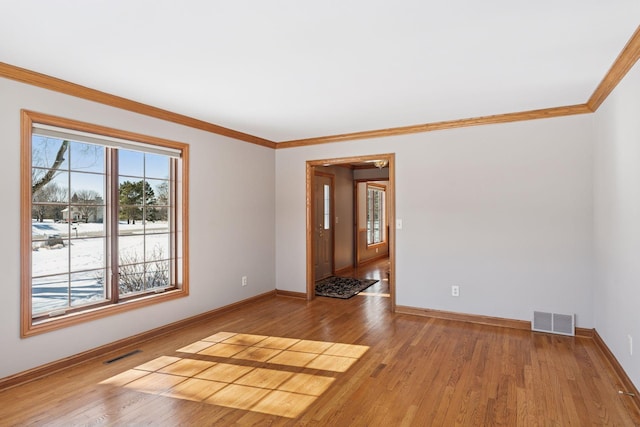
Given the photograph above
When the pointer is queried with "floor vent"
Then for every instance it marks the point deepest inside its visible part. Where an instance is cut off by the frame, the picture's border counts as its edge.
(554, 323)
(122, 356)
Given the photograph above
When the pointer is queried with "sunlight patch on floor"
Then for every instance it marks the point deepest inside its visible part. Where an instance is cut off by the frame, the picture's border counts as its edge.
(266, 389)
(374, 294)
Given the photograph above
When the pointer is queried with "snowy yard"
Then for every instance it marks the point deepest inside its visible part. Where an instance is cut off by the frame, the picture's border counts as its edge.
(82, 253)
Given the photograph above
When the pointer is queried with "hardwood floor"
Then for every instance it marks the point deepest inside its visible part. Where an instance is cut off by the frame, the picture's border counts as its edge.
(378, 270)
(284, 361)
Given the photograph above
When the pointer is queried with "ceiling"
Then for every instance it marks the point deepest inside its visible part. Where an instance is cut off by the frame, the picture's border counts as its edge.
(286, 70)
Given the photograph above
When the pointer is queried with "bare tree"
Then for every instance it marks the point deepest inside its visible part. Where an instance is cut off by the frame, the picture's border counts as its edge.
(47, 202)
(38, 182)
(85, 157)
(137, 274)
(163, 193)
(86, 202)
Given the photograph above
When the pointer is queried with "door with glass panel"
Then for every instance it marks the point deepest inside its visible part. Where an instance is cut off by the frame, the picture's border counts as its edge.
(323, 225)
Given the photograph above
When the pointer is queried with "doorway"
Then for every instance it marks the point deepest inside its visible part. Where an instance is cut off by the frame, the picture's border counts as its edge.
(315, 208)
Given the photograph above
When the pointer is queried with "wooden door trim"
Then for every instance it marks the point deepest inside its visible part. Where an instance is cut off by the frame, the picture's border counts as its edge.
(310, 170)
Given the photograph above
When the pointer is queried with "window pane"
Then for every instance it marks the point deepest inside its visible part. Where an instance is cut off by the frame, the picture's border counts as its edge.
(131, 249)
(157, 247)
(49, 293)
(54, 190)
(158, 220)
(132, 192)
(148, 195)
(50, 256)
(87, 188)
(88, 287)
(87, 254)
(86, 157)
(157, 274)
(47, 220)
(130, 217)
(131, 279)
(128, 227)
(86, 214)
(130, 163)
(159, 188)
(83, 230)
(327, 207)
(156, 166)
(45, 151)
(134, 195)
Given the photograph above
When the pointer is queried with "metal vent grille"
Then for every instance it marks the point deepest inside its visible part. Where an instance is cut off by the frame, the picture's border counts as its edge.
(563, 324)
(115, 359)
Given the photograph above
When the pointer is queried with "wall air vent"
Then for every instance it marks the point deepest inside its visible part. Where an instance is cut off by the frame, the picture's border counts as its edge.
(563, 324)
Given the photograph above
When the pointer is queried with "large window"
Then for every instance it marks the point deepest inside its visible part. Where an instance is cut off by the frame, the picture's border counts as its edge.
(375, 214)
(103, 221)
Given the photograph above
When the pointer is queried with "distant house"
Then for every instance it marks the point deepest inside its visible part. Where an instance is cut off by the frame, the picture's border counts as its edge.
(82, 210)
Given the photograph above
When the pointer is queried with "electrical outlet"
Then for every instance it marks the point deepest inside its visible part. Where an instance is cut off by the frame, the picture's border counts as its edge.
(630, 345)
(244, 280)
(455, 291)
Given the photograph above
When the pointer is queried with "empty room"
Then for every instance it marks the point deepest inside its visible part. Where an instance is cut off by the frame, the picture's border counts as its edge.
(331, 213)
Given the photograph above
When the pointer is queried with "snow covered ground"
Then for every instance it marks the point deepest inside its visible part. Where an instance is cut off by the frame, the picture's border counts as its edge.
(82, 252)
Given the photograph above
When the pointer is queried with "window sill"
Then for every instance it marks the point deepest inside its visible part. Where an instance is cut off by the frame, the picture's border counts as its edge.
(93, 313)
(377, 245)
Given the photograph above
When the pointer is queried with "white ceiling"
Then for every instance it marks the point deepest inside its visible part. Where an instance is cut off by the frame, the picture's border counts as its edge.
(292, 69)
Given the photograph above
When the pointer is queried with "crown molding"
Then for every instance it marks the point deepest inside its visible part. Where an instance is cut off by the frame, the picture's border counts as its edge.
(621, 66)
(449, 124)
(33, 78)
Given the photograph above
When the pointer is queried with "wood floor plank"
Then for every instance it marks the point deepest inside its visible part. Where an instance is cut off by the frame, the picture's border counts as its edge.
(349, 362)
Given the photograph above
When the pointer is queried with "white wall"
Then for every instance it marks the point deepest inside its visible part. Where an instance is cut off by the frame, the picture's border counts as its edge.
(503, 211)
(617, 222)
(231, 222)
